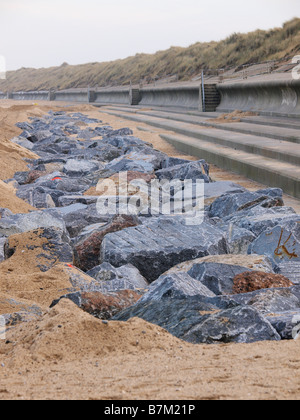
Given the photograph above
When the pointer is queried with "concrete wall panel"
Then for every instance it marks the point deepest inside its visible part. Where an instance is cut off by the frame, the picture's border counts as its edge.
(270, 98)
(183, 97)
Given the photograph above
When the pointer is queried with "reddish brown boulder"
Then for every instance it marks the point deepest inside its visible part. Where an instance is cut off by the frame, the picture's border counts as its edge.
(34, 175)
(256, 280)
(103, 306)
(87, 252)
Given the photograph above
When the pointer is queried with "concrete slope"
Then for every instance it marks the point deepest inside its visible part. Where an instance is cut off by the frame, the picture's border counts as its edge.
(263, 159)
(291, 134)
(264, 170)
(275, 149)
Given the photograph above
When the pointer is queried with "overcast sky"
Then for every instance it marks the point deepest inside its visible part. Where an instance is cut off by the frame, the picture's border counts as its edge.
(44, 33)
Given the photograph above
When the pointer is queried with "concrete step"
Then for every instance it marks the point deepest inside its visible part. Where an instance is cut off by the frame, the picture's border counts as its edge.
(212, 97)
(270, 162)
(269, 148)
(262, 130)
(266, 171)
(286, 122)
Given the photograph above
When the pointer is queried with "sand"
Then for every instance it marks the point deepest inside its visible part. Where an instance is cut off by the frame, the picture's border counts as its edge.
(232, 117)
(68, 354)
(9, 200)
(21, 277)
(13, 155)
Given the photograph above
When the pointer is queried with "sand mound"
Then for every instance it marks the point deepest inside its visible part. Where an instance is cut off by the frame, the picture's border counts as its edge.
(9, 305)
(9, 200)
(13, 155)
(66, 333)
(21, 276)
(233, 117)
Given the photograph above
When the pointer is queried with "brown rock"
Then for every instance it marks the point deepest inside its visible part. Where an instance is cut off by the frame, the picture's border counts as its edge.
(87, 252)
(106, 306)
(102, 306)
(256, 280)
(34, 175)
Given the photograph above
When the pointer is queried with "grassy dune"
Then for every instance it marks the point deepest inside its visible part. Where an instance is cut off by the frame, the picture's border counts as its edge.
(238, 49)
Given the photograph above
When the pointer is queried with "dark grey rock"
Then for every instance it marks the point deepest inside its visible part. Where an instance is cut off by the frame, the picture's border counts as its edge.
(239, 239)
(198, 319)
(21, 223)
(160, 244)
(78, 168)
(87, 232)
(228, 204)
(135, 161)
(5, 213)
(191, 170)
(125, 142)
(172, 161)
(239, 325)
(40, 135)
(290, 269)
(78, 216)
(24, 126)
(280, 243)
(175, 285)
(68, 200)
(39, 197)
(24, 313)
(287, 324)
(120, 132)
(2, 254)
(216, 277)
(268, 301)
(126, 276)
(102, 305)
(259, 219)
(23, 142)
(70, 185)
(98, 151)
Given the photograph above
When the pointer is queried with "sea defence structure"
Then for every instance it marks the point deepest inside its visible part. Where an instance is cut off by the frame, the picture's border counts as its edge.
(191, 97)
(269, 97)
(275, 97)
(263, 146)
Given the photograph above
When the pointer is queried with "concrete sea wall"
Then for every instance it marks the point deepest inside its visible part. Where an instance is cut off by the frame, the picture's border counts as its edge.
(276, 97)
(183, 97)
(270, 98)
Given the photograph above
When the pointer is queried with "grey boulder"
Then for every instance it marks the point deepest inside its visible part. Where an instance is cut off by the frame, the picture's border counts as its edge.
(77, 168)
(280, 243)
(191, 171)
(289, 269)
(110, 278)
(175, 285)
(259, 219)
(21, 223)
(216, 277)
(161, 243)
(199, 319)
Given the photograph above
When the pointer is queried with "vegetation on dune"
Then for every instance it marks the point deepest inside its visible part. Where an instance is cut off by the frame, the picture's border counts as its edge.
(236, 50)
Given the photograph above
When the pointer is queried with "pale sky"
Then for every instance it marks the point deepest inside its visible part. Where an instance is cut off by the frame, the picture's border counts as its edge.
(44, 33)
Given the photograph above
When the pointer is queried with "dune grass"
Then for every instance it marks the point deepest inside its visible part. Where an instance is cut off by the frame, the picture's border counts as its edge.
(238, 49)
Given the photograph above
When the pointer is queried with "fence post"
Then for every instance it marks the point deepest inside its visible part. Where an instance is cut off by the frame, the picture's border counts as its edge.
(203, 91)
